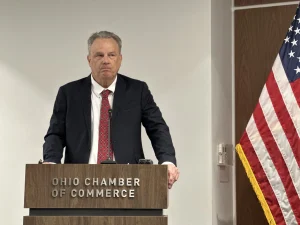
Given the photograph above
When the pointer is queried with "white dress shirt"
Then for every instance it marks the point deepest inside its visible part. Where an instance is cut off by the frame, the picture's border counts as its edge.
(95, 114)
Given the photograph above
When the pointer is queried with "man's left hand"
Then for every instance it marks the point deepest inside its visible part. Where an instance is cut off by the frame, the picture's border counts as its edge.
(173, 175)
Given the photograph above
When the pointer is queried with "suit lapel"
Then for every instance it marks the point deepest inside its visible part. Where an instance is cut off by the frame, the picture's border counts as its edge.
(86, 104)
(119, 100)
(119, 96)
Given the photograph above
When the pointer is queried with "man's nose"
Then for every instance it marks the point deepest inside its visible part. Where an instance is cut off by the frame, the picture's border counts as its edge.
(105, 59)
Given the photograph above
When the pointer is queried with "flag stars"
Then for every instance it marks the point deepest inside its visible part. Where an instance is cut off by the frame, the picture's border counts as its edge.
(287, 39)
(297, 69)
(298, 20)
(298, 58)
(291, 54)
(291, 28)
(297, 31)
(294, 42)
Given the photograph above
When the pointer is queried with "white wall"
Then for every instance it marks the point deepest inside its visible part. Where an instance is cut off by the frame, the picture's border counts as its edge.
(222, 110)
(166, 43)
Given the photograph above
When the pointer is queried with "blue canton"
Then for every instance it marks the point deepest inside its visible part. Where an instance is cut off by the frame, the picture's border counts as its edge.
(290, 51)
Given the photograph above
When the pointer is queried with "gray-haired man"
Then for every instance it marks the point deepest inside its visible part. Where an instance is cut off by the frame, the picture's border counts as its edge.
(80, 119)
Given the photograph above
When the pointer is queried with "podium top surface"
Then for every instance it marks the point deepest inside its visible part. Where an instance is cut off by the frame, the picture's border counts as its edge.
(107, 186)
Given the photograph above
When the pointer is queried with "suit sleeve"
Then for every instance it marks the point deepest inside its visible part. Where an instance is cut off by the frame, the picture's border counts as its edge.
(156, 128)
(55, 137)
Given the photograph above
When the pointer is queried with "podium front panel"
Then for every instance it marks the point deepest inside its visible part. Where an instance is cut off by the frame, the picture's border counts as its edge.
(108, 186)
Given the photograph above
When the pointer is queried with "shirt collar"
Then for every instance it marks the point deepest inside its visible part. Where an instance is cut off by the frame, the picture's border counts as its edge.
(97, 88)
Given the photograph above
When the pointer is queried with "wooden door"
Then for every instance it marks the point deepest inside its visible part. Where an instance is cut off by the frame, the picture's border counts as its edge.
(259, 34)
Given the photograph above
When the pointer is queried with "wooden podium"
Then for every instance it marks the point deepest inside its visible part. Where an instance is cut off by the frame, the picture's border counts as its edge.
(105, 194)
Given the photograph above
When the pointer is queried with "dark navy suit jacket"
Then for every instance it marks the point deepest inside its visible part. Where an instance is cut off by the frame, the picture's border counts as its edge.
(133, 105)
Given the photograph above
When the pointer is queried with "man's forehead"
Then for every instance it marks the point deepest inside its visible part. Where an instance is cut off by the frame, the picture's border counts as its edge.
(97, 51)
(100, 45)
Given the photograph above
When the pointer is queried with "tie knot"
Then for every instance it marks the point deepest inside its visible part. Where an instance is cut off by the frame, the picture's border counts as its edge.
(105, 93)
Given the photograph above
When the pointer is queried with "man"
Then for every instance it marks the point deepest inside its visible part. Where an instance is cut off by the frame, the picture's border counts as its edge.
(83, 108)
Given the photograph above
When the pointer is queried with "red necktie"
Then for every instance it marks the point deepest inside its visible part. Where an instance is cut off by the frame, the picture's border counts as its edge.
(103, 144)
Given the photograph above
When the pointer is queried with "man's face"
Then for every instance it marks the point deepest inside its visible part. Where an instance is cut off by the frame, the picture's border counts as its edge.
(104, 59)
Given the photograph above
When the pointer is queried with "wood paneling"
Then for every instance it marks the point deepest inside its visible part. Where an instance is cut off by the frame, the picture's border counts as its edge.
(256, 2)
(259, 34)
(77, 220)
(152, 192)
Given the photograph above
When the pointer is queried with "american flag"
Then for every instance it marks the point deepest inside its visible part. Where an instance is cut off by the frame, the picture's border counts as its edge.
(270, 146)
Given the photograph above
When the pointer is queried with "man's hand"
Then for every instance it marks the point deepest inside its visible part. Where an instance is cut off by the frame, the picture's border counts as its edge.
(173, 175)
(49, 163)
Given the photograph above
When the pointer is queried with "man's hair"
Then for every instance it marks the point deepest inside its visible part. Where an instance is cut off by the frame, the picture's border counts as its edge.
(104, 34)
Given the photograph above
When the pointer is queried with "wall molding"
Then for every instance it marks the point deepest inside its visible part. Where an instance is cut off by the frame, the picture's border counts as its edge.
(265, 5)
